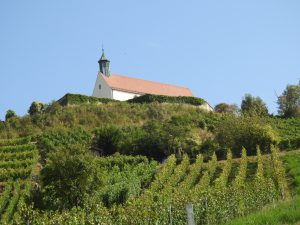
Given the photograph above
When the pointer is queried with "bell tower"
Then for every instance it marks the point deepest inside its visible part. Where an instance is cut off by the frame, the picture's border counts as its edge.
(104, 64)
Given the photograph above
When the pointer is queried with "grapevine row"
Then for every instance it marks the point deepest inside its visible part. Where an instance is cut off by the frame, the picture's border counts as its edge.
(164, 174)
(279, 174)
(20, 173)
(222, 180)
(16, 141)
(17, 148)
(194, 174)
(5, 196)
(179, 173)
(16, 163)
(6, 217)
(18, 156)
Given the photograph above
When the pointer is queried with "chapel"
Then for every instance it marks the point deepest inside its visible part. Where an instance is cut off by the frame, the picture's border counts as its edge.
(122, 88)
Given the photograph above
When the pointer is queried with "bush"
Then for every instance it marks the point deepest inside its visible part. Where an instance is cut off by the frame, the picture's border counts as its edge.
(10, 114)
(226, 108)
(35, 108)
(53, 107)
(130, 140)
(108, 139)
(236, 133)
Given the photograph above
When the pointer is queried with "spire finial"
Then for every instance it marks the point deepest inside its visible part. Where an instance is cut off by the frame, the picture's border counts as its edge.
(102, 48)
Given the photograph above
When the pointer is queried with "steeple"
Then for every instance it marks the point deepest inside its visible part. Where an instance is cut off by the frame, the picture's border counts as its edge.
(104, 64)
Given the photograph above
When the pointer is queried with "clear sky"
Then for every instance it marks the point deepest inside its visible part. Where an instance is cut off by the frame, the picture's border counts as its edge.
(221, 50)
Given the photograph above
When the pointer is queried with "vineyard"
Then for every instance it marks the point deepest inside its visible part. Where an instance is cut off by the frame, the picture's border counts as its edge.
(217, 190)
(216, 193)
(18, 159)
(135, 190)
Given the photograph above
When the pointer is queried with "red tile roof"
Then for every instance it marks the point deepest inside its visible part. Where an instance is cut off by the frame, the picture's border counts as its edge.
(140, 86)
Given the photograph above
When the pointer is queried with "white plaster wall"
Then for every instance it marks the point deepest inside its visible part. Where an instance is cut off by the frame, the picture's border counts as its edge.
(206, 107)
(105, 91)
(123, 96)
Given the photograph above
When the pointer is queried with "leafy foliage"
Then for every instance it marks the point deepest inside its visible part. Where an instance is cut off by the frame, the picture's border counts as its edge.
(289, 101)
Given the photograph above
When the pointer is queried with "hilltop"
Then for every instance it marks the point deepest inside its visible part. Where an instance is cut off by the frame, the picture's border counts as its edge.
(84, 160)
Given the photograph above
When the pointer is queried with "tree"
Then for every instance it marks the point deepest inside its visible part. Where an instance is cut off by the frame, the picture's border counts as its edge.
(36, 107)
(68, 177)
(253, 106)
(226, 108)
(10, 114)
(289, 101)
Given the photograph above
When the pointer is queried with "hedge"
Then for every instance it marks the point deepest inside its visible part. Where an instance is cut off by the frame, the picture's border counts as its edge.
(77, 99)
(148, 98)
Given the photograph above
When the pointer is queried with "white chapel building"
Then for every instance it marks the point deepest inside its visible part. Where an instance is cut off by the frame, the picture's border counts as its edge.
(123, 88)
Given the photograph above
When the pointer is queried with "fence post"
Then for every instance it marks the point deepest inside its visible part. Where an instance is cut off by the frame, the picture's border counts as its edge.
(190, 214)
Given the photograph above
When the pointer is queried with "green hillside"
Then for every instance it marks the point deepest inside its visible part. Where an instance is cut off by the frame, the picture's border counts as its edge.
(143, 162)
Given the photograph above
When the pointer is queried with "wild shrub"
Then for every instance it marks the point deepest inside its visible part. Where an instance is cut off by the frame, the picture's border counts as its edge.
(236, 133)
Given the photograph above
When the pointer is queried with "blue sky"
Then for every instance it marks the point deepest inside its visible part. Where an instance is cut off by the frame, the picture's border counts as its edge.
(221, 50)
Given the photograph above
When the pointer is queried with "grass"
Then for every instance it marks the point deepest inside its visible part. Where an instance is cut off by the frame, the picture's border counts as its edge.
(283, 212)
(293, 170)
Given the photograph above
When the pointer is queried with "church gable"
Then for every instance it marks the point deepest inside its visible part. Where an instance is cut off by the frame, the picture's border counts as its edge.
(102, 89)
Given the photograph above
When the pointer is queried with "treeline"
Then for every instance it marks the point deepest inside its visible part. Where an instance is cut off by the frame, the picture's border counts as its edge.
(288, 104)
(178, 135)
